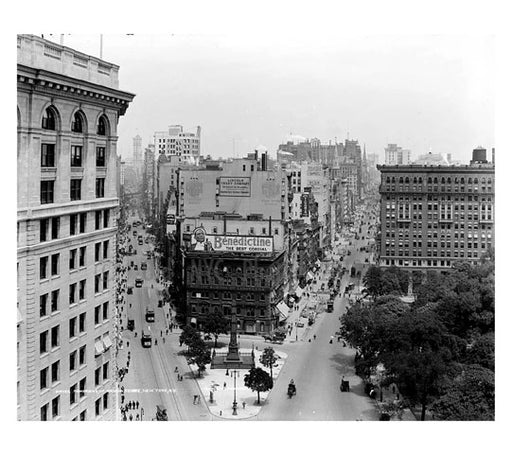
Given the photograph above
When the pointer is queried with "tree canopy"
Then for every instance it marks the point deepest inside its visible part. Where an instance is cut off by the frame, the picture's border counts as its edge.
(258, 380)
(215, 324)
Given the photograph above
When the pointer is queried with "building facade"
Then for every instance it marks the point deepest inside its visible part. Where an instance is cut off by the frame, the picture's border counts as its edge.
(176, 141)
(234, 237)
(69, 104)
(395, 155)
(433, 216)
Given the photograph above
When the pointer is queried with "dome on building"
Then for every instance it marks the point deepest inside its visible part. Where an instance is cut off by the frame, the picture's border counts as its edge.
(432, 159)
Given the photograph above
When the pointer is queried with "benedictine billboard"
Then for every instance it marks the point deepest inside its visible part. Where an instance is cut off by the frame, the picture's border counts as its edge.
(241, 243)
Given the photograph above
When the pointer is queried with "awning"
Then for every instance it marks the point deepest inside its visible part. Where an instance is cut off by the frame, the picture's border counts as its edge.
(20, 317)
(283, 310)
(98, 347)
(107, 342)
(193, 320)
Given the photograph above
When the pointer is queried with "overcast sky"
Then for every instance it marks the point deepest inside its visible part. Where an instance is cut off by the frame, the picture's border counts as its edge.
(421, 92)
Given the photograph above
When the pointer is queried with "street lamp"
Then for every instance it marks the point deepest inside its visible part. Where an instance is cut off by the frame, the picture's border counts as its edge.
(141, 413)
(234, 375)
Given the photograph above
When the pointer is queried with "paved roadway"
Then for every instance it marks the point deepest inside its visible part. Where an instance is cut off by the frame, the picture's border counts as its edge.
(151, 370)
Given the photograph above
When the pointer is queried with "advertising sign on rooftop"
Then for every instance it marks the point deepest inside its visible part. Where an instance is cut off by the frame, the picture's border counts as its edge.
(235, 186)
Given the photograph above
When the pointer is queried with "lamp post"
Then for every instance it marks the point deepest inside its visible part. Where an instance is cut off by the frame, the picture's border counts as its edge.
(234, 375)
(141, 413)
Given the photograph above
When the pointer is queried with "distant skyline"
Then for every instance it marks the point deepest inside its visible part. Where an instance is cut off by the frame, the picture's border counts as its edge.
(421, 92)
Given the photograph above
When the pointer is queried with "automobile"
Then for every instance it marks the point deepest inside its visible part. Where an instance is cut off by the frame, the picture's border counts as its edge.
(143, 266)
(161, 413)
(366, 260)
(138, 282)
(131, 324)
(300, 324)
(147, 240)
(135, 267)
(129, 290)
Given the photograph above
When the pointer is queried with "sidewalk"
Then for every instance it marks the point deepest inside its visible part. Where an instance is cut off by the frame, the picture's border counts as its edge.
(218, 390)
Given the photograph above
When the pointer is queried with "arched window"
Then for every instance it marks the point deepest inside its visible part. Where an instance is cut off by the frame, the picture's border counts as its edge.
(456, 180)
(388, 179)
(443, 181)
(414, 180)
(101, 129)
(470, 180)
(462, 180)
(420, 180)
(393, 180)
(429, 181)
(400, 180)
(49, 119)
(78, 123)
(406, 179)
(435, 180)
(489, 181)
(449, 180)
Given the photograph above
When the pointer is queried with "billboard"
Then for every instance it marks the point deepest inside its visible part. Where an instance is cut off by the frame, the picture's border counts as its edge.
(235, 186)
(233, 243)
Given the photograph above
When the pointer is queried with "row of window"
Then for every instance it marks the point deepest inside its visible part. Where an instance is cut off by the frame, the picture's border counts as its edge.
(442, 180)
(252, 230)
(247, 311)
(227, 296)
(50, 118)
(47, 193)
(49, 228)
(48, 156)
(100, 405)
(49, 266)
(227, 281)
(455, 254)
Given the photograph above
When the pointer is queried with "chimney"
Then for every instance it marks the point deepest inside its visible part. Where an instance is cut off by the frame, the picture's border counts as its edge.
(264, 161)
(198, 133)
(493, 155)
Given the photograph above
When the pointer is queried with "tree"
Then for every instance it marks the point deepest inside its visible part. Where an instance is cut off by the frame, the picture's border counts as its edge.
(373, 281)
(189, 335)
(198, 354)
(258, 380)
(470, 396)
(482, 352)
(268, 359)
(215, 324)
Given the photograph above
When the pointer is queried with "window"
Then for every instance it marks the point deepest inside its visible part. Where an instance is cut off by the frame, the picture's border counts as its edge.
(100, 156)
(72, 361)
(47, 191)
(76, 156)
(55, 337)
(44, 412)
(77, 123)
(43, 267)
(83, 415)
(47, 155)
(106, 217)
(81, 290)
(97, 407)
(100, 187)
(97, 376)
(73, 221)
(97, 281)
(81, 257)
(97, 313)
(105, 249)
(81, 355)
(97, 219)
(72, 328)
(76, 189)
(55, 371)
(72, 259)
(83, 221)
(105, 311)
(43, 305)
(81, 387)
(55, 264)
(105, 400)
(48, 122)
(43, 229)
(105, 371)
(81, 323)
(72, 394)
(43, 342)
(55, 227)
(105, 280)
(97, 252)
(43, 379)
(101, 129)
(55, 300)
(72, 294)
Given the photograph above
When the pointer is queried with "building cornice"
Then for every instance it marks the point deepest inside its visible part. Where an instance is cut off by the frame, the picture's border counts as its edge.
(53, 84)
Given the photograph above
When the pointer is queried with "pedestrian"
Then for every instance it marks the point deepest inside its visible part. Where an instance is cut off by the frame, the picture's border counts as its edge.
(137, 404)
(199, 399)
(160, 333)
(225, 386)
(314, 337)
(131, 417)
(176, 369)
(195, 399)
(167, 331)
(156, 342)
(127, 344)
(163, 340)
(137, 417)
(243, 404)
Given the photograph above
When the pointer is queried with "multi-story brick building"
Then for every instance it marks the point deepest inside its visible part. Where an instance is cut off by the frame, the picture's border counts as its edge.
(177, 142)
(233, 231)
(433, 216)
(69, 104)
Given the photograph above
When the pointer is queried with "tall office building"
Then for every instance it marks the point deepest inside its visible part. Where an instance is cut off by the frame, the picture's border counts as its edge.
(434, 215)
(396, 155)
(69, 104)
(175, 141)
(138, 159)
